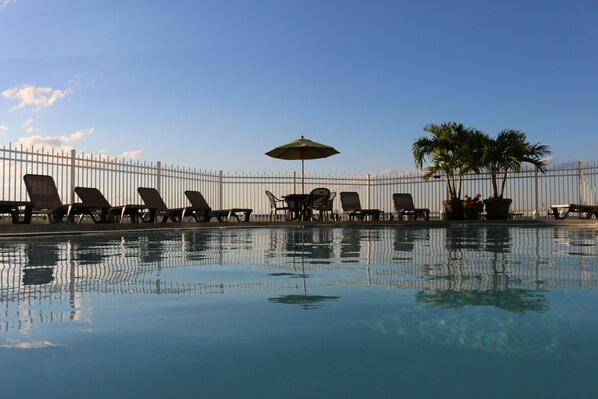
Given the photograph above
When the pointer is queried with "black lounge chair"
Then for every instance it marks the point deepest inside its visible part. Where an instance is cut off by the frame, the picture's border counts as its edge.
(203, 212)
(277, 204)
(93, 197)
(155, 204)
(404, 206)
(46, 200)
(352, 207)
(585, 211)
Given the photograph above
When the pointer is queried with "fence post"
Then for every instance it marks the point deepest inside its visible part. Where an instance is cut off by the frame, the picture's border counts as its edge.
(581, 190)
(159, 176)
(537, 199)
(369, 196)
(73, 172)
(221, 190)
(294, 182)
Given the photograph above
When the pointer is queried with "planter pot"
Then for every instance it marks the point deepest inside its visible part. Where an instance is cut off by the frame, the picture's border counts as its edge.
(453, 209)
(497, 208)
(472, 214)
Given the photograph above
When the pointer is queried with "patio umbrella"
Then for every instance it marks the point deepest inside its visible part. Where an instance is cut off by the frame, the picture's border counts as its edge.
(302, 149)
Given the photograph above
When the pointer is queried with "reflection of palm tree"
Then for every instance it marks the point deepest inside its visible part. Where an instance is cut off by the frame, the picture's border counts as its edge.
(498, 239)
(500, 295)
(517, 300)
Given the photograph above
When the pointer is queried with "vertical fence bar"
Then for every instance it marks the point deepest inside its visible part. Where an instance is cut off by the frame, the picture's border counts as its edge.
(580, 179)
(220, 189)
(73, 173)
(159, 176)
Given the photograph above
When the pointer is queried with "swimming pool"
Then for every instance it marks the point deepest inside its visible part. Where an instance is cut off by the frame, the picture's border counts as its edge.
(458, 311)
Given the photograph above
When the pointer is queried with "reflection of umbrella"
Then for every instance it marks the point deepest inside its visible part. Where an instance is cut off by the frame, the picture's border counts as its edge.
(302, 149)
(305, 300)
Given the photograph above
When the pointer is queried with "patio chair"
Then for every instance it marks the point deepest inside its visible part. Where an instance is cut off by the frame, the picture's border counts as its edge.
(203, 212)
(46, 200)
(352, 207)
(154, 202)
(403, 203)
(94, 197)
(318, 201)
(277, 204)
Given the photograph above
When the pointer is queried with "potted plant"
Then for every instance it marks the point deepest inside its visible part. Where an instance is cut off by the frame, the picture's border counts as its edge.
(507, 152)
(452, 151)
(473, 207)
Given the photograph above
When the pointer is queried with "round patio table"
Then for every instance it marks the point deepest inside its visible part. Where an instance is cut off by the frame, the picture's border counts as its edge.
(298, 206)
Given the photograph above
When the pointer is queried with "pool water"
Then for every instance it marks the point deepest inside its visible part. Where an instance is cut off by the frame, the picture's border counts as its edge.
(456, 311)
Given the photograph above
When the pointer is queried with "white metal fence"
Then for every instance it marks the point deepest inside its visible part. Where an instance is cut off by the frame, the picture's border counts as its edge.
(118, 180)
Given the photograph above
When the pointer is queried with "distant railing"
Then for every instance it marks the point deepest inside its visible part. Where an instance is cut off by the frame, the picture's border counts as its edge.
(119, 178)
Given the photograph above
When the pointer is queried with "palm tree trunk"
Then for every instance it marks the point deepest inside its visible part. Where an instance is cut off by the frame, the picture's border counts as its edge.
(494, 186)
(504, 183)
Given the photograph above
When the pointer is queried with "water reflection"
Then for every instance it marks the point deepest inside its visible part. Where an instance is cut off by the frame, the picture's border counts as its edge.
(38, 275)
(509, 268)
(305, 301)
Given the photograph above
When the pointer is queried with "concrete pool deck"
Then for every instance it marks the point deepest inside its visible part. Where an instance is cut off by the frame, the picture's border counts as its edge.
(8, 230)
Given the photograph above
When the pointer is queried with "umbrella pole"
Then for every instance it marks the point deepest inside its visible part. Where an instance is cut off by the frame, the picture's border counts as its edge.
(302, 176)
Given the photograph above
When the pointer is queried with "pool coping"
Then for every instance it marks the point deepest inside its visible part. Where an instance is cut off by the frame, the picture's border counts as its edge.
(15, 230)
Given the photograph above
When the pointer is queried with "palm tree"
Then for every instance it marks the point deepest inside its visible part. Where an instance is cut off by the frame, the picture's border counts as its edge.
(453, 151)
(508, 151)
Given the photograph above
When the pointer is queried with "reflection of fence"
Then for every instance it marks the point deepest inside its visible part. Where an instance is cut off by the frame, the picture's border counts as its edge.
(118, 179)
(454, 258)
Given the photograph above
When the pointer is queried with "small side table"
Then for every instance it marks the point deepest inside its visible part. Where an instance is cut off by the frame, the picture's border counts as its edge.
(20, 211)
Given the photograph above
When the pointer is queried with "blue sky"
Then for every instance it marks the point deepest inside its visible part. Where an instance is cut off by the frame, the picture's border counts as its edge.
(216, 84)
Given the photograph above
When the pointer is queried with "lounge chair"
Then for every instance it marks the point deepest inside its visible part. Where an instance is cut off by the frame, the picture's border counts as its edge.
(277, 204)
(318, 201)
(93, 197)
(203, 212)
(352, 207)
(46, 200)
(403, 204)
(154, 202)
(585, 211)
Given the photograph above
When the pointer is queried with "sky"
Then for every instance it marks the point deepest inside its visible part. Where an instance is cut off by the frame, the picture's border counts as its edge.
(213, 85)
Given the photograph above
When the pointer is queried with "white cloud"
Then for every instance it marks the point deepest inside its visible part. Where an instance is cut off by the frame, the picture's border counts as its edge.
(36, 97)
(56, 142)
(5, 3)
(3, 128)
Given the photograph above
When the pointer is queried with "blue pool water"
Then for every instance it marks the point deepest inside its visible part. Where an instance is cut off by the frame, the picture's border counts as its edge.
(402, 311)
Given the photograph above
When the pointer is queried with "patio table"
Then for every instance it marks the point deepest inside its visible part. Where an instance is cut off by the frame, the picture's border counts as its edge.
(298, 206)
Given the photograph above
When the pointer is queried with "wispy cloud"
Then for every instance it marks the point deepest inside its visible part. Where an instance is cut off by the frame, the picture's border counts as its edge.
(35, 97)
(5, 3)
(56, 142)
(133, 154)
(3, 128)
(28, 126)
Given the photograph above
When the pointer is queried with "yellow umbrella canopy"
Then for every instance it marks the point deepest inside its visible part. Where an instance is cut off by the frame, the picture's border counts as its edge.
(302, 149)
